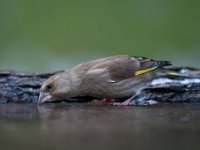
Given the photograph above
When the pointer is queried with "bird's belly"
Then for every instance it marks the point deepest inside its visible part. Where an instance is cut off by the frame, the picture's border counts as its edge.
(120, 89)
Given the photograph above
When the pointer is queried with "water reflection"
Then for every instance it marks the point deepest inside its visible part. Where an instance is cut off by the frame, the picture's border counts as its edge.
(81, 126)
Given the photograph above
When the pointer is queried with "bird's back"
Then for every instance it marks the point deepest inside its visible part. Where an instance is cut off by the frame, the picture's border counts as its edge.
(117, 76)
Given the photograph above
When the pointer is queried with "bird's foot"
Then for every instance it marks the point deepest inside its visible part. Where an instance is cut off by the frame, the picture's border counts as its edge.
(105, 101)
(128, 102)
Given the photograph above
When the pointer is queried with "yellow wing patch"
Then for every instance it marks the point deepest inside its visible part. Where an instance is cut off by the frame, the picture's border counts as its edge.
(139, 72)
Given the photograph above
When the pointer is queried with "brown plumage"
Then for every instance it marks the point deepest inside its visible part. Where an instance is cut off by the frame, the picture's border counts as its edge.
(111, 77)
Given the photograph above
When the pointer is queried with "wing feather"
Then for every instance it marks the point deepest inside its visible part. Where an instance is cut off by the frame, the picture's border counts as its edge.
(123, 67)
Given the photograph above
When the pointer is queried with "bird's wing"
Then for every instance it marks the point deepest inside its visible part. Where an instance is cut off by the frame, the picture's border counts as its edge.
(124, 67)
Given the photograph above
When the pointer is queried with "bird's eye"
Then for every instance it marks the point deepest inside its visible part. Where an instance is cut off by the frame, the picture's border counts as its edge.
(49, 87)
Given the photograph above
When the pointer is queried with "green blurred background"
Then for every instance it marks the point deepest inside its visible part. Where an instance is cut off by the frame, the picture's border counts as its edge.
(49, 35)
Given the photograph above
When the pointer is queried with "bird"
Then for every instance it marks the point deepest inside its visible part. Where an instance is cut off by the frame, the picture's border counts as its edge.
(113, 77)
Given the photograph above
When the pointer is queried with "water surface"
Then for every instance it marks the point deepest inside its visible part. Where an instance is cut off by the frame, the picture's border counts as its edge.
(82, 126)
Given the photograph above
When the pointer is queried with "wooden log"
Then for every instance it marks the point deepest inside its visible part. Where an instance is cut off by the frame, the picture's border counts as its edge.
(20, 87)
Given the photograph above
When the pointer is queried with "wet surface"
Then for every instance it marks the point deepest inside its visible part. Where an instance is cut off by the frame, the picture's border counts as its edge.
(82, 126)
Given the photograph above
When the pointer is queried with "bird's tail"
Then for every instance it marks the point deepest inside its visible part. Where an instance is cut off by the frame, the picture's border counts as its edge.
(163, 63)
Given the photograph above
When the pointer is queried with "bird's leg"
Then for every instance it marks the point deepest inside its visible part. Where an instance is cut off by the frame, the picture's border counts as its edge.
(128, 102)
(104, 101)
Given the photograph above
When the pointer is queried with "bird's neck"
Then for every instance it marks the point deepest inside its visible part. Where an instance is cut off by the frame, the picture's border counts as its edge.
(75, 80)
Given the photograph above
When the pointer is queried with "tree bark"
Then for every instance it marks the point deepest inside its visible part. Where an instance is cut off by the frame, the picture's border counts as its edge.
(20, 87)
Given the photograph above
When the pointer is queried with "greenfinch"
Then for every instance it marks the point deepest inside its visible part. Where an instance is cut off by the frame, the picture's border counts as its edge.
(120, 76)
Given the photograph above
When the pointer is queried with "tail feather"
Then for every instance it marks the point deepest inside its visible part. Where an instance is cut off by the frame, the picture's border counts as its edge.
(163, 63)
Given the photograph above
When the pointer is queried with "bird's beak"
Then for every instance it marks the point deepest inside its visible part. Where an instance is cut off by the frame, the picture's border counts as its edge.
(44, 97)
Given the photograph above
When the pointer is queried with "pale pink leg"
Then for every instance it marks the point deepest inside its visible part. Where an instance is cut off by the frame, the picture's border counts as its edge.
(128, 102)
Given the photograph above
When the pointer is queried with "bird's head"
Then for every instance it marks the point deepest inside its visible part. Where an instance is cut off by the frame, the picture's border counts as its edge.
(56, 88)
